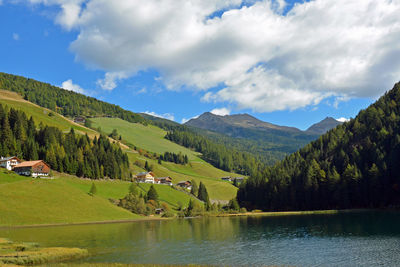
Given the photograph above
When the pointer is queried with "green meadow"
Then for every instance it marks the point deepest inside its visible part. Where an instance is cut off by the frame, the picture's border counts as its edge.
(150, 138)
(42, 201)
(65, 199)
(39, 114)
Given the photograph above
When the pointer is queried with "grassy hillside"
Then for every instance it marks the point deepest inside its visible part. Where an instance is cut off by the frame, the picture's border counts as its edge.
(119, 189)
(152, 139)
(41, 115)
(37, 201)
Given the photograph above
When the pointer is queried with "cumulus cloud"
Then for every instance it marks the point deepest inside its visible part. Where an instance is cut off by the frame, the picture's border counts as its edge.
(167, 116)
(110, 80)
(69, 85)
(221, 111)
(265, 60)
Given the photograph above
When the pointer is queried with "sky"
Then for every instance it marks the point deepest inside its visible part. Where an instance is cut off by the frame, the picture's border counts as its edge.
(286, 62)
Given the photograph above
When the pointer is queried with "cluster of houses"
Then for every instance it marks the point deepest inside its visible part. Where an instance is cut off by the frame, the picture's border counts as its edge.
(149, 177)
(238, 180)
(35, 168)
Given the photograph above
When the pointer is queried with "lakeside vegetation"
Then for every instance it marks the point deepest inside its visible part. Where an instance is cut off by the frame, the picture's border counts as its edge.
(12, 253)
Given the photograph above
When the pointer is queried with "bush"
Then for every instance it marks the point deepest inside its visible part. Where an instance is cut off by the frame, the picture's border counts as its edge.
(243, 210)
(168, 214)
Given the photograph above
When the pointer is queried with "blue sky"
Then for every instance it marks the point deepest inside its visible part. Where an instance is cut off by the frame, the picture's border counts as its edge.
(229, 56)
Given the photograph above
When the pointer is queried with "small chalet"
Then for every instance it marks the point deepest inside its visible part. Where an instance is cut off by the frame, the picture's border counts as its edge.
(9, 163)
(34, 168)
(145, 177)
(79, 119)
(228, 179)
(185, 184)
(163, 180)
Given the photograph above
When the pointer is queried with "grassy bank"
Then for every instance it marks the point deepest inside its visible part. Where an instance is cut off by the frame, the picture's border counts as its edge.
(31, 254)
(27, 201)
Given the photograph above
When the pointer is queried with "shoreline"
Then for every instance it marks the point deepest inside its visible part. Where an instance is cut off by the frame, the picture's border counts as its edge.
(83, 223)
(246, 214)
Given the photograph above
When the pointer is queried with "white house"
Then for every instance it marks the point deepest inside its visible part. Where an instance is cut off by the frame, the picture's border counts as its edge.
(9, 163)
(145, 177)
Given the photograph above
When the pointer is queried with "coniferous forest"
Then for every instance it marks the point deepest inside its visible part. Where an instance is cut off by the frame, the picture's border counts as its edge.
(70, 153)
(356, 165)
(65, 102)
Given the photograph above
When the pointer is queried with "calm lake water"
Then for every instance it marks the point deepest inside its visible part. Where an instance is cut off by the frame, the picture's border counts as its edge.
(351, 239)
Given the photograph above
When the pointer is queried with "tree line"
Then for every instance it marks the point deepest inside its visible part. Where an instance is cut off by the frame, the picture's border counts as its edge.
(65, 102)
(355, 165)
(173, 157)
(216, 154)
(70, 153)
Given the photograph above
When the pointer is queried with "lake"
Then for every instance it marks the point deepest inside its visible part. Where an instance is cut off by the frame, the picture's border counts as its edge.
(348, 239)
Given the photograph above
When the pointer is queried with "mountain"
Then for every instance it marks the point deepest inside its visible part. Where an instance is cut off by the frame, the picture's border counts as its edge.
(355, 165)
(323, 126)
(221, 124)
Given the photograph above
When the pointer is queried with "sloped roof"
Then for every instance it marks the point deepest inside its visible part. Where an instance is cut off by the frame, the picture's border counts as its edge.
(8, 158)
(30, 163)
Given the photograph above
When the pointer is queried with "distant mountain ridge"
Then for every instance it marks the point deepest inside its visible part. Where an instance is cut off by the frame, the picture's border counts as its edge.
(323, 126)
(229, 125)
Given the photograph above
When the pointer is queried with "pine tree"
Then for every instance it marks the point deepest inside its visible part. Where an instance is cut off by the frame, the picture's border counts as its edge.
(93, 190)
(203, 194)
(195, 189)
(152, 194)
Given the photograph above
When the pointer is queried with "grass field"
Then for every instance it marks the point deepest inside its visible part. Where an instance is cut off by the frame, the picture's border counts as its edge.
(39, 114)
(65, 199)
(118, 189)
(218, 190)
(150, 138)
(39, 201)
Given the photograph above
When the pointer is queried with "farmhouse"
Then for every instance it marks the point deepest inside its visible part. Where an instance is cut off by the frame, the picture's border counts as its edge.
(33, 168)
(145, 177)
(228, 178)
(9, 163)
(163, 180)
(185, 184)
(79, 119)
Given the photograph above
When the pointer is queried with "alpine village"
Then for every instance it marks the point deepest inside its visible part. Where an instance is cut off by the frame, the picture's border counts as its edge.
(88, 179)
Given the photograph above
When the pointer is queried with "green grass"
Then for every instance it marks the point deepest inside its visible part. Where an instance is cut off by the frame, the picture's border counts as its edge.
(10, 177)
(32, 254)
(39, 114)
(218, 190)
(168, 195)
(150, 138)
(118, 189)
(38, 201)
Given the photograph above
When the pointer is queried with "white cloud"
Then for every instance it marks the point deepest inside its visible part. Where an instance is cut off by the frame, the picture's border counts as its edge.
(15, 36)
(167, 116)
(69, 85)
(342, 119)
(221, 111)
(267, 61)
(110, 80)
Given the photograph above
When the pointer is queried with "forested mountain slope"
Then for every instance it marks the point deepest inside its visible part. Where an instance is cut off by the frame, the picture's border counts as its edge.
(355, 165)
(65, 102)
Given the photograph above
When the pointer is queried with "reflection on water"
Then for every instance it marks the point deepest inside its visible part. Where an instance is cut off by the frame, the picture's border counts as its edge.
(351, 239)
